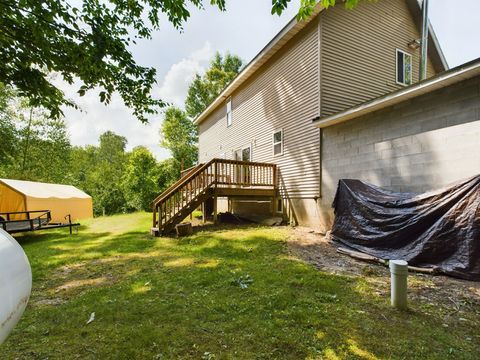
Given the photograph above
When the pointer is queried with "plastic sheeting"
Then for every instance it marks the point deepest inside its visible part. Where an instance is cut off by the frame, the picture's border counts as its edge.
(438, 229)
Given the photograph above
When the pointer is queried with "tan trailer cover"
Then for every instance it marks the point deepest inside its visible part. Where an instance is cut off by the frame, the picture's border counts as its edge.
(61, 200)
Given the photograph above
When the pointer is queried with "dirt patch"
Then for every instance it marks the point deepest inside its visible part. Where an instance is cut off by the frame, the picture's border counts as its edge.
(82, 283)
(49, 302)
(454, 295)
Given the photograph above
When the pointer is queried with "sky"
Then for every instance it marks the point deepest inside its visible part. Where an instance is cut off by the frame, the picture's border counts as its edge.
(244, 29)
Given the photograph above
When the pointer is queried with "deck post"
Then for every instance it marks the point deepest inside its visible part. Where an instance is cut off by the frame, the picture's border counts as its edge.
(274, 184)
(155, 216)
(215, 218)
(160, 216)
(204, 215)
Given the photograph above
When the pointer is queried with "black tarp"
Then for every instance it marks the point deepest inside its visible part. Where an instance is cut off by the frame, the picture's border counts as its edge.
(438, 229)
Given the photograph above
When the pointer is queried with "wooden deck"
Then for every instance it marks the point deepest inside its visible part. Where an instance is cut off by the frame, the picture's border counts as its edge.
(217, 178)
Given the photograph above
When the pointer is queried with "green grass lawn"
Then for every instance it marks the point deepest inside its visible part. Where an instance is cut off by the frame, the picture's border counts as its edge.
(232, 293)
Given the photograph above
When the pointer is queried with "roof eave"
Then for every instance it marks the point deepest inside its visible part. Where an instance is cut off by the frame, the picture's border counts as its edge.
(292, 28)
(455, 75)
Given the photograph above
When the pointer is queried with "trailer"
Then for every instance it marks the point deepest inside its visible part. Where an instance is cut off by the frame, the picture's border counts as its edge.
(35, 220)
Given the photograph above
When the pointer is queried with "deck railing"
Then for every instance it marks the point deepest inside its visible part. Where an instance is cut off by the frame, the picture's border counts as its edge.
(216, 173)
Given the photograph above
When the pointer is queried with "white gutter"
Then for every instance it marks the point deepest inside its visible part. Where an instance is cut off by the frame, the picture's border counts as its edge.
(442, 80)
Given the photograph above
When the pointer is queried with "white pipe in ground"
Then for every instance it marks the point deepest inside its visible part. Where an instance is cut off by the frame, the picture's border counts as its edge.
(15, 283)
(398, 286)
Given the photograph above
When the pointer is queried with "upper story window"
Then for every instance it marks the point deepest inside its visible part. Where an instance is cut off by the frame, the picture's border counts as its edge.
(229, 112)
(278, 142)
(404, 68)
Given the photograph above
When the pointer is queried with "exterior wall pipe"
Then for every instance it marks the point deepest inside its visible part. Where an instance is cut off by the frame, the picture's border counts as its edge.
(398, 285)
(424, 42)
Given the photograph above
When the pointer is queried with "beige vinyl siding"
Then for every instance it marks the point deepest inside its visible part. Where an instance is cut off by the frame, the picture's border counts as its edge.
(283, 94)
(358, 55)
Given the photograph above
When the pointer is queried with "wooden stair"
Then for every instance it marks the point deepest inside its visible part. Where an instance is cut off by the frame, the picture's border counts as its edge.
(198, 184)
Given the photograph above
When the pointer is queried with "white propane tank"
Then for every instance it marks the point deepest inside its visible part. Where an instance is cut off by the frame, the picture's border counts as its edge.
(15, 283)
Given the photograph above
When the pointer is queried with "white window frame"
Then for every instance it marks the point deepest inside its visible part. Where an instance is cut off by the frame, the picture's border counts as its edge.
(276, 143)
(229, 112)
(404, 53)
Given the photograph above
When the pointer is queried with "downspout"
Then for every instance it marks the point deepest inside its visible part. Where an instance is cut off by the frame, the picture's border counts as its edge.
(424, 42)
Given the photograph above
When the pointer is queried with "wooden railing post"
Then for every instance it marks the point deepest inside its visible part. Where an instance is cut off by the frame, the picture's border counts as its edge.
(274, 177)
(155, 216)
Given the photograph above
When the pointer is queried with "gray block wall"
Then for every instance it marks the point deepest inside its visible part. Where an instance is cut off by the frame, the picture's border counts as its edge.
(421, 144)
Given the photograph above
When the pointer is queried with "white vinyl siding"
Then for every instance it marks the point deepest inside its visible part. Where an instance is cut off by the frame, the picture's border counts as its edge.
(283, 94)
(358, 60)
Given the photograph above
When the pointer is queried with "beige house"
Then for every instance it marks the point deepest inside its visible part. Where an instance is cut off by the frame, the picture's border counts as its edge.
(310, 71)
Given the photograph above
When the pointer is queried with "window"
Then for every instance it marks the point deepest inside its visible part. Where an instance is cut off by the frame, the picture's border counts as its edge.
(229, 112)
(404, 68)
(247, 154)
(279, 206)
(278, 142)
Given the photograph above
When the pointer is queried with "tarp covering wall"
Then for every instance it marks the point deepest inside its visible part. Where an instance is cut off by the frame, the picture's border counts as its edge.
(438, 229)
(61, 200)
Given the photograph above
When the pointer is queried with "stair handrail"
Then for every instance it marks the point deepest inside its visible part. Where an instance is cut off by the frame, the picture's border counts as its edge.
(199, 168)
(181, 182)
(190, 172)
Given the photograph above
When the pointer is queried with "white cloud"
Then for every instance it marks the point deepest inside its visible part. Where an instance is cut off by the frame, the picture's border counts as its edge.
(175, 84)
(86, 125)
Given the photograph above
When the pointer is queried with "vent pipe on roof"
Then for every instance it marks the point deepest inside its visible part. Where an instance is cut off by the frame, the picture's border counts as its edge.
(424, 42)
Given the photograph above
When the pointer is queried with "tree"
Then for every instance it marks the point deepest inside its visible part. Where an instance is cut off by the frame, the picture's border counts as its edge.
(110, 162)
(307, 7)
(179, 135)
(36, 147)
(90, 43)
(43, 150)
(83, 162)
(7, 127)
(168, 173)
(204, 89)
(98, 170)
(140, 179)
